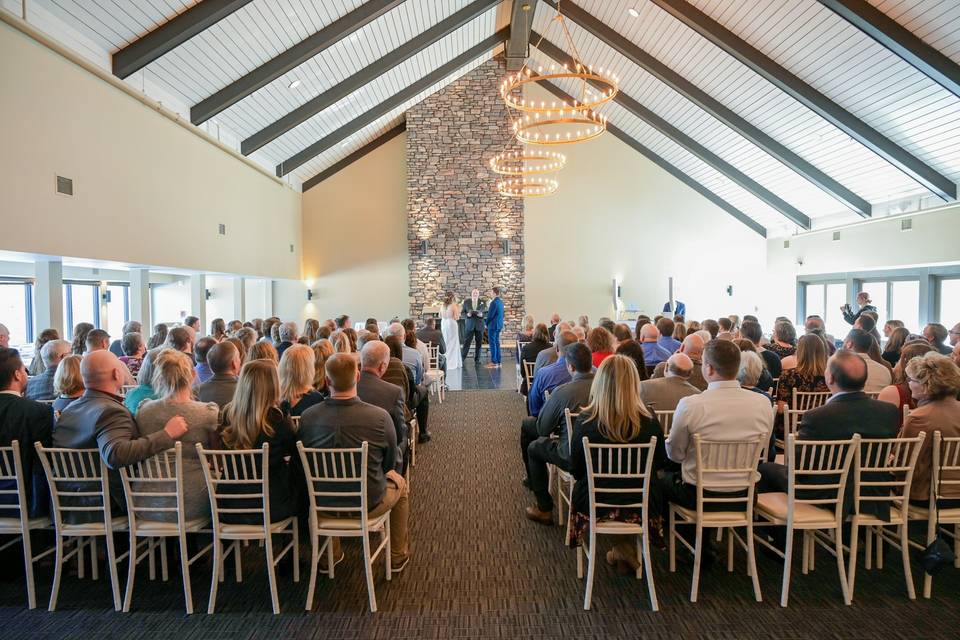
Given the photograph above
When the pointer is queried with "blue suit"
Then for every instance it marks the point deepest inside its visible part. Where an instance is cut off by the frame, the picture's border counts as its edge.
(494, 323)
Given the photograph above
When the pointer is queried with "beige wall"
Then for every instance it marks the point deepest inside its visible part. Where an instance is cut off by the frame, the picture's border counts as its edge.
(355, 240)
(136, 175)
(618, 214)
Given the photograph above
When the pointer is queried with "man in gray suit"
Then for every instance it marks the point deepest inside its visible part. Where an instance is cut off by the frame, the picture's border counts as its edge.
(41, 387)
(474, 311)
(98, 419)
(664, 393)
(224, 361)
(549, 356)
(374, 360)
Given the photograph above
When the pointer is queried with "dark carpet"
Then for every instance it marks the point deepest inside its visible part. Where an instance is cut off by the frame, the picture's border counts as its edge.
(480, 570)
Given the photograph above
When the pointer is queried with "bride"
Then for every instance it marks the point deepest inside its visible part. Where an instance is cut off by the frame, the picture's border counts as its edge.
(449, 316)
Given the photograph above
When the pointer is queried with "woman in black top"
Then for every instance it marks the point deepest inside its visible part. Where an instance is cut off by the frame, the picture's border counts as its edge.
(540, 341)
(891, 352)
(615, 415)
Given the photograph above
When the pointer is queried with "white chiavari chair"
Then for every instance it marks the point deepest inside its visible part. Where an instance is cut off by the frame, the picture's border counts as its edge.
(806, 400)
(565, 480)
(434, 373)
(666, 421)
(528, 373)
(520, 346)
(791, 425)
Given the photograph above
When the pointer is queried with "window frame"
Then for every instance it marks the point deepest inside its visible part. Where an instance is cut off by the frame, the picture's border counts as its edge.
(27, 303)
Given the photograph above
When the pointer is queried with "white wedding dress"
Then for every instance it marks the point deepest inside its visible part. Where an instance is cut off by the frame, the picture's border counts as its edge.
(451, 335)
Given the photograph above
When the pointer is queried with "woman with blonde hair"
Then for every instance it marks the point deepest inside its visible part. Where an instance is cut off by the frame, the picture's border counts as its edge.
(297, 371)
(615, 414)
(263, 350)
(173, 376)
(218, 329)
(601, 343)
(693, 326)
(67, 383)
(310, 328)
(340, 341)
(322, 349)
(807, 375)
(526, 331)
(254, 418)
(899, 393)
(679, 331)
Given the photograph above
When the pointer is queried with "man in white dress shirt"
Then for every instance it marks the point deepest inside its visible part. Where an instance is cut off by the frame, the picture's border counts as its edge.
(878, 375)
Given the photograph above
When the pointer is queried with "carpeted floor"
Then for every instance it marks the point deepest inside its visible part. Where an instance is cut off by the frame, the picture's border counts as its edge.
(480, 570)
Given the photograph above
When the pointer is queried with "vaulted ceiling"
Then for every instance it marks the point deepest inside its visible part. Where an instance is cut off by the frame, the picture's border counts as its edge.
(785, 112)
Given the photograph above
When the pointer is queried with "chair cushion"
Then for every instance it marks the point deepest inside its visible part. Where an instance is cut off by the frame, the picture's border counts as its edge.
(119, 523)
(349, 524)
(774, 505)
(923, 513)
(12, 525)
(253, 529)
(155, 527)
(711, 517)
(617, 527)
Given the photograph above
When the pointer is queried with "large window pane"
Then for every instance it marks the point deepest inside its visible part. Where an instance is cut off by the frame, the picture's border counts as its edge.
(905, 303)
(878, 295)
(949, 312)
(82, 305)
(13, 312)
(836, 298)
(117, 312)
(814, 294)
(169, 302)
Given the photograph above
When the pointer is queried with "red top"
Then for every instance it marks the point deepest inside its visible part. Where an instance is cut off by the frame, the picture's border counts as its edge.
(600, 356)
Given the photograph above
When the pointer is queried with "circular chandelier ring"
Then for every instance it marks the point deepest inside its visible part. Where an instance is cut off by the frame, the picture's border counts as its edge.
(527, 187)
(521, 104)
(526, 129)
(527, 162)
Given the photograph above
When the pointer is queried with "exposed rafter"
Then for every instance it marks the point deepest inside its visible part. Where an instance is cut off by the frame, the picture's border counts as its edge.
(289, 59)
(392, 102)
(900, 40)
(793, 214)
(171, 34)
(521, 21)
(632, 142)
(381, 140)
(826, 108)
(342, 89)
(714, 107)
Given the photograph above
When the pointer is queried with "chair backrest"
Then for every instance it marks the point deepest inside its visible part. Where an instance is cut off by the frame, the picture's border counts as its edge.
(872, 394)
(945, 472)
(521, 345)
(883, 470)
(295, 420)
(906, 414)
(434, 351)
(569, 419)
(817, 471)
(666, 420)
(79, 485)
(11, 475)
(729, 467)
(791, 420)
(238, 482)
(155, 485)
(617, 470)
(528, 372)
(336, 480)
(127, 388)
(776, 384)
(806, 400)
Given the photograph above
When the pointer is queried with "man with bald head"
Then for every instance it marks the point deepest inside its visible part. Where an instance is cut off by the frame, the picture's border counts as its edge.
(653, 352)
(4, 337)
(374, 360)
(551, 376)
(664, 392)
(98, 419)
(554, 323)
(692, 347)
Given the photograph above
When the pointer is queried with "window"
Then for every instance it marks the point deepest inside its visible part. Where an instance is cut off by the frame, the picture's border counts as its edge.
(825, 300)
(905, 303)
(81, 303)
(169, 302)
(118, 309)
(878, 298)
(16, 310)
(949, 311)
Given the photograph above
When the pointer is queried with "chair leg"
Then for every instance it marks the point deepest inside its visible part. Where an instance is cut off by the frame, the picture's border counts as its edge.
(388, 539)
(331, 562)
(868, 548)
(905, 554)
(217, 574)
(805, 560)
(368, 572)
(844, 586)
(94, 560)
(852, 571)
(879, 537)
(927, 578)
(57, 574)
(673, 540)
(81, 559)
(237, 561)
(787, 564)
(697, 552)
(151, 548)
(581, 552)
(752, 563)
(640, 558)
(131, 572)
(28, 570)
(295, 550)
(185, 573)
(112, 568)
(314, 562)
(271, 573)
(730, 550)
(164, 573)
(648, 568)
(591, 568)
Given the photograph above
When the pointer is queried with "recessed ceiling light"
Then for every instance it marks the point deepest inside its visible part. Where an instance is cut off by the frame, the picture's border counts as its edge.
(344, 144)
(294, 84)
(633, 12)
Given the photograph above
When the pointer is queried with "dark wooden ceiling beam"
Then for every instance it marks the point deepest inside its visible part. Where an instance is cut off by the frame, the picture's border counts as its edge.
(376, 143)
(171, 34)
(916, 169)
(521, 22)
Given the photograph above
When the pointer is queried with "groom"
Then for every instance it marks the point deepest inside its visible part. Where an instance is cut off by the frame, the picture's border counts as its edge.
(494, 327)
(474, 310)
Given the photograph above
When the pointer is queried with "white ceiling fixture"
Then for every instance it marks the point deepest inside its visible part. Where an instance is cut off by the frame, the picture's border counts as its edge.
(633, 12)
(294, 84)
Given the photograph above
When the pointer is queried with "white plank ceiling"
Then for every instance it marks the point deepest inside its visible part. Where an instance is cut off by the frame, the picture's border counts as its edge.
(809, 40)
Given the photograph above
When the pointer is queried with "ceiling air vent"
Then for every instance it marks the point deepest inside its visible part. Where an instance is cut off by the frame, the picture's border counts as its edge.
(291, 248)
(836, 236)
(222, 229)
(786, 244)
(906, 224)
(64, 186)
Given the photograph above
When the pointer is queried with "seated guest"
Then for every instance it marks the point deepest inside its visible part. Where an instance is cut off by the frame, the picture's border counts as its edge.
(98, 420)
(342, 322)
(37, 365)
(374, 360)
(322, 349)
(890, 326)
(765, 381)
(134, 350)
(224, 361)
(583, 322)
(549, 356)
(288, 335)
(218, 329)
(397, 373)
(297, 370)
(428, 335)
(341, 342)
(622, 333)
(936, 334)
(712, 327)
(653, 352)
(411, 340)
(551, 376)
(537, 446)
(158, 337)
(934, 382)
(554, 323)
(200, 350)
(898, 393)
(692, 326)
(79, 341)
(751, 368)
(116, 347)
(726, 325)
(956, 354)
(67, 383)
(345, 421)
(868, 323)
(895, 341)
(173, 376)
(144, 389)
(27, 422)
(41, 387)
(539, 342)
(663, 394)
(99, 340)
(641, 320)
(263, 350)
(411, 357)
(784, 341)
(310, 331)
(634, 350)
(692, 347)
(238, 344)
(253, 418)
(679, 331)
(724, 412)
(807, 375)
(814, 325)
(601, 343)
(193, 322)
(751, 331)
(526, 329)
(954, 334)
(248, 338)
(878, 375)
(181, 339)
(351, 334)
(614, 415)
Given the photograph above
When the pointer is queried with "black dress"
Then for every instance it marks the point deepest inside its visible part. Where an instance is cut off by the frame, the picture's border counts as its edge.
(529, 354)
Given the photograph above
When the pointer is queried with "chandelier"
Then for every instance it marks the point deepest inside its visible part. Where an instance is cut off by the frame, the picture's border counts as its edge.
(528, 186)
(527, 162)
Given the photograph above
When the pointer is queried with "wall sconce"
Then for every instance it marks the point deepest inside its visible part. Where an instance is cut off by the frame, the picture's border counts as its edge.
(207, 294)
(424, 245)
(505, 244)
(105, 296)
(309, 294)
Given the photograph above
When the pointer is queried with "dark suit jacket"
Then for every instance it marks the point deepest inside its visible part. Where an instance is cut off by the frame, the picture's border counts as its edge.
(473, 323)
(388, 397)
(218, 389)
(571, 395)
(841, 418)
(434, 336)
(27, 422)
(283, 346)
(396, 374)
(529, 353)
(41, 387)
(116, 348)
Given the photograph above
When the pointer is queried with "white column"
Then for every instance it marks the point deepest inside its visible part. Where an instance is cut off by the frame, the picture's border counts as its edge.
(268, 299)
(48, 310)
(140, 299)
(198, 300)
(239, 300)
